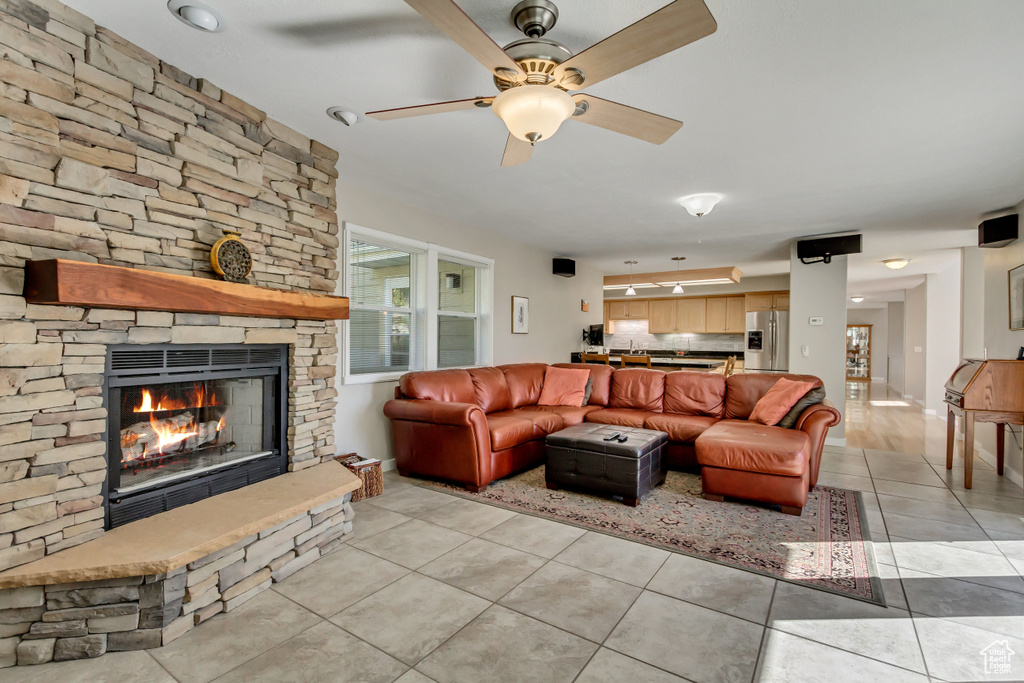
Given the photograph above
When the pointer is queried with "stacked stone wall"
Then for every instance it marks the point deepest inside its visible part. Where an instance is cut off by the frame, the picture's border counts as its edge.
(111, 155)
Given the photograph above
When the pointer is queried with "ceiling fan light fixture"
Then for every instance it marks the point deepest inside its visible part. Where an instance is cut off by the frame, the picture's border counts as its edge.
(700, 204)
(533, 112)
(896, 263)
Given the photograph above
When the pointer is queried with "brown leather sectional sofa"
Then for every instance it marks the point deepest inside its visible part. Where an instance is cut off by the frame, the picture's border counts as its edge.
(474, 426)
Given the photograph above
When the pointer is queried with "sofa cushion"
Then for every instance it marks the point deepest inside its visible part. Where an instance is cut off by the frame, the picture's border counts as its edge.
(601, 381)
(570, 415)
(624, 417)
(754, 447)
(544, 422)
(811, 398)
(525, 381)
(491, 389)
(680, 428)
(507, 431)
(778, 400)
(564, 387)
(743, 391)
(694, 393)
(638, 388)
(449, 386)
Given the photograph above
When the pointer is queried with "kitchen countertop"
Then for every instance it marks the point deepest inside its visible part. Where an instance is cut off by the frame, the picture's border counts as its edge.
(679, 361)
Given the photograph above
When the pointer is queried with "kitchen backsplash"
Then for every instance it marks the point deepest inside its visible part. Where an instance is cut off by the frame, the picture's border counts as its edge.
(625, 330)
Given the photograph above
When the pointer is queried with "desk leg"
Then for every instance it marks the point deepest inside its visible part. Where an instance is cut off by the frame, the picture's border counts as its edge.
(950, 437)
(968, 449)
(1000, 445)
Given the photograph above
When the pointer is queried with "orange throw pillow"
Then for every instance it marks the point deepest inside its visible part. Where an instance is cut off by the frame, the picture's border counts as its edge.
(774, 405)
(564, 387)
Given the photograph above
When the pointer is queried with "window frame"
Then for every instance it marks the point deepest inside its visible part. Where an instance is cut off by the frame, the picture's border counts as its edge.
(424, 302)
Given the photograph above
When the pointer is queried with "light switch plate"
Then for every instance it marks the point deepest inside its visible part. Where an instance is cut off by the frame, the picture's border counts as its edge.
(816, 320)
(805, 351)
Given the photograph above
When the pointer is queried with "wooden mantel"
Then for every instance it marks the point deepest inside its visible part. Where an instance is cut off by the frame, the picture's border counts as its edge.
(74, 283)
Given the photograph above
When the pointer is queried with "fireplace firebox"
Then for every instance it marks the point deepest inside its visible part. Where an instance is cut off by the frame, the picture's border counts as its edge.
(186, 422)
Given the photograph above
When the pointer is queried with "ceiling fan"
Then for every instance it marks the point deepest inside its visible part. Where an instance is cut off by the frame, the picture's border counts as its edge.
(535, 75)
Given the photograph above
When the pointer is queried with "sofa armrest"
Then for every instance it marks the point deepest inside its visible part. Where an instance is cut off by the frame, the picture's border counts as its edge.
(434, 412)
(444, 440)
(816, 421)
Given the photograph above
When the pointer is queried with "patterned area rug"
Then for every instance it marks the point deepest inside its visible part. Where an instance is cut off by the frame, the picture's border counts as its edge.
(827, 547)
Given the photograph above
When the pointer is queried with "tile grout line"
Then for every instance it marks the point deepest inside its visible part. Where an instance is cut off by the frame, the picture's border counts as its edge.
(764, 634)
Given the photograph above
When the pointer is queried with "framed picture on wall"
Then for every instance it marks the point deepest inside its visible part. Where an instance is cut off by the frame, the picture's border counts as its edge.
(520, 315)
(1017, 298)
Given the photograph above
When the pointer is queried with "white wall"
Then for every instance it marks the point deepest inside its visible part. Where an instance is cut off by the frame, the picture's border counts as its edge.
(878, 318)
(556, 320)
(896, 366)
(943, 352)
(972, 339)
(999, 340)
(819, 289)
(915, 342)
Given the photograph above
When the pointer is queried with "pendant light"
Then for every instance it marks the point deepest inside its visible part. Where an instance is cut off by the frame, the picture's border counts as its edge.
(630, 291)
(678, 289)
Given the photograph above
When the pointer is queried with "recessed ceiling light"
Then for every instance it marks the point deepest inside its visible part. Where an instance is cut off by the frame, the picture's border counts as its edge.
(349, 118)
(856, 299)
(197, 15)
(896, 263)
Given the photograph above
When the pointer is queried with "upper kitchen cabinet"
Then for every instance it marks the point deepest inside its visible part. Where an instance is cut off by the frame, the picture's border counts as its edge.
(662, 318)
(623, 309)
(767, 301)
(726, 314)
(691, 315)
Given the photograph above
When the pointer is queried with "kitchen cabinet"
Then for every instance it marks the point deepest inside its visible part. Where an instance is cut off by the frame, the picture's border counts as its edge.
(691, 315)
(767, 301)
(627, 310)
(726, 314)
(609, 325)
(662, 316)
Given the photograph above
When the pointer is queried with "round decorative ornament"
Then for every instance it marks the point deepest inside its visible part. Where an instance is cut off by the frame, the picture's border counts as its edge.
(231, 258)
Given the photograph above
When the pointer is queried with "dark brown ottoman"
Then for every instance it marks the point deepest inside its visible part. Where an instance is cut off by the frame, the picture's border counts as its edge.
(579, 457)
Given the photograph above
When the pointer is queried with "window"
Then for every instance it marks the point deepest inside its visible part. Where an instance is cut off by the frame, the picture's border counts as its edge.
(414, 306)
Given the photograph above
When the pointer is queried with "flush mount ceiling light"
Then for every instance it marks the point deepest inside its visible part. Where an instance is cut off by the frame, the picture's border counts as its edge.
(896, 263)
(678, 289)
(700, 204)
(856, 299)
(197, 15)
(342, 115)
(629, 290)
(533, 112)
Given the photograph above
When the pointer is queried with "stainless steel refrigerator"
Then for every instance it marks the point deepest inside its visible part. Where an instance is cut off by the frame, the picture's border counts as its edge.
(767, 342)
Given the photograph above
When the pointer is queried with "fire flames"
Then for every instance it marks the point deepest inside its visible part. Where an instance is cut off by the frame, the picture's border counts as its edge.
(197, 397)
(163, 436)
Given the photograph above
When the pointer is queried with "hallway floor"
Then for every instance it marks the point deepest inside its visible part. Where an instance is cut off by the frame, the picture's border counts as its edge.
(437, 588)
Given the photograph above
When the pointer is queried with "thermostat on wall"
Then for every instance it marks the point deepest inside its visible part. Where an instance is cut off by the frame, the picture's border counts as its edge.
(816, 320)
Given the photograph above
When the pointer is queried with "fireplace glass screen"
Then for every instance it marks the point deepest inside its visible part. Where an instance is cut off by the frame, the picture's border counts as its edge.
(179, 429)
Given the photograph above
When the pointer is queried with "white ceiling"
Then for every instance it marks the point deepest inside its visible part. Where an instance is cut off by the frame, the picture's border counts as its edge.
(902, 120)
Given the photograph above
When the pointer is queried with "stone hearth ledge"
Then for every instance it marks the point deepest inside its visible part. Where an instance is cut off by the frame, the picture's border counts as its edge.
(170, 540)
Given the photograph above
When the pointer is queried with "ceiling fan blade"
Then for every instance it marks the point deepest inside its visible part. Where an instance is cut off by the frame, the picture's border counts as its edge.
(424, 109)
(516, 152)
(629, 121)
(456, 24)
(673, 26)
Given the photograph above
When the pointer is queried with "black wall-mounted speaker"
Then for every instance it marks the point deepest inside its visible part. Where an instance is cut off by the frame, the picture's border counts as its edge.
(565, 267)
(997, 232)
(824, 248)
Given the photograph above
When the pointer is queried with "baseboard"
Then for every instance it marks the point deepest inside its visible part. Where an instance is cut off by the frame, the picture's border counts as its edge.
(990, 458)
(877, 379)
(919, 402)
(387, 465)
(929, 411)
(837, 441)
(908, 397)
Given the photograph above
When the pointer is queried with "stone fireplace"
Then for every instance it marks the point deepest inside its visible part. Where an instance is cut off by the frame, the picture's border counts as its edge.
(112, 156)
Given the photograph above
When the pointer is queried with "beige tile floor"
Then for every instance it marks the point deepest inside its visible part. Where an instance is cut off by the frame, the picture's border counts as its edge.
(437, 588)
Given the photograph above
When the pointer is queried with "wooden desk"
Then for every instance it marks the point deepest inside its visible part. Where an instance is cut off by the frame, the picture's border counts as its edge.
(983, 391)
